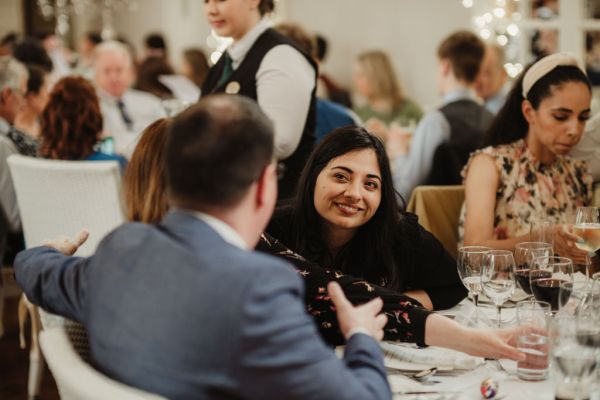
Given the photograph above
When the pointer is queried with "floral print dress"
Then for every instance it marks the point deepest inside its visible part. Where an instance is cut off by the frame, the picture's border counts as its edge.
(531, 190)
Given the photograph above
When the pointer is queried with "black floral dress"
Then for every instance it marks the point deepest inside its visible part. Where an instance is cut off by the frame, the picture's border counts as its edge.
(406, 316)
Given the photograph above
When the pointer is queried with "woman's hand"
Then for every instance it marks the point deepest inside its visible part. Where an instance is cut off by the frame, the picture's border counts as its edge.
(66, 246)
(564, 244)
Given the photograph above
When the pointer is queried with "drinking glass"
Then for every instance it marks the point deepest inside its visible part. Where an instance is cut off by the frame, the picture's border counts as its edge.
(571, 295)
(533, 317)
(587, 227)
(573, 363)
(541, 230)
(470, 262)
(546, 276)
(498, 278)
(525, 253)
(588, 328)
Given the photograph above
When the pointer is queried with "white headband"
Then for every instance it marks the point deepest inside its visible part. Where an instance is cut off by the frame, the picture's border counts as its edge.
(545, 65)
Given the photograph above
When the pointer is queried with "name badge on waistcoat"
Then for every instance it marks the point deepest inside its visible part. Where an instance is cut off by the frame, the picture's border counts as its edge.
(232, 87)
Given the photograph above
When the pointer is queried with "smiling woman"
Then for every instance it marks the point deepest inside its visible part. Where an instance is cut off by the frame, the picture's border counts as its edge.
(525, 172)
(346, 217)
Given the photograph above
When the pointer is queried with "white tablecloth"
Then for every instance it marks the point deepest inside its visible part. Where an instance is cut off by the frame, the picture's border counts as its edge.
(466, 386)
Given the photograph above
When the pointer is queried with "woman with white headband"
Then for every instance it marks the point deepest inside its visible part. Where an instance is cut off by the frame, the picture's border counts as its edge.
(525, 172)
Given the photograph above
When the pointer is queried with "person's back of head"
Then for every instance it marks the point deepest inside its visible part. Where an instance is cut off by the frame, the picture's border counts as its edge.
(464, 51)
(13, 84)
(216, 150)
(156, 45)
(148, 73)
(299, 36)
(71, 122)
(31, 51)
(195, 65)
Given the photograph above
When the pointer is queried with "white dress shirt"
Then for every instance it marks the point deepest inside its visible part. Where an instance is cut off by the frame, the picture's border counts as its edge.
(143, 109)
(8, 198)
(284, 84)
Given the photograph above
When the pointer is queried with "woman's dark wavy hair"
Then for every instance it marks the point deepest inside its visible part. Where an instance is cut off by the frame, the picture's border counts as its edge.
(510, 124)
(370, 253)
(71, 122)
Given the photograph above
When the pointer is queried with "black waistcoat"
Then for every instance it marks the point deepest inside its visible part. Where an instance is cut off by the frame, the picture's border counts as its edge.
(245, 76)
(468, 121)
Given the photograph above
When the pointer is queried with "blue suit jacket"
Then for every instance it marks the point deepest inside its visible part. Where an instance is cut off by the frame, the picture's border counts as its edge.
(176, 310)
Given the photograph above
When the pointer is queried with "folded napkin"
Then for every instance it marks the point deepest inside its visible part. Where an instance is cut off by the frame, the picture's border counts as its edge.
(399, 353)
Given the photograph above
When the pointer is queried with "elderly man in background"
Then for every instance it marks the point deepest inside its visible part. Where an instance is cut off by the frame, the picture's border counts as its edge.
(126, 111)
(13, 85)
(491, 83)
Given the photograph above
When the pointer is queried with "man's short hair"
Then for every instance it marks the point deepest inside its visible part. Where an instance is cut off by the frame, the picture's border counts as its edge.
(216, 150)
(465, 52)
(12, 73)
(155, 41)
(112, 46)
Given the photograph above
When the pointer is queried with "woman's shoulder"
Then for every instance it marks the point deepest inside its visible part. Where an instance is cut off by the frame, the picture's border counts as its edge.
(503, 156)
(411, 109)
(280, 224)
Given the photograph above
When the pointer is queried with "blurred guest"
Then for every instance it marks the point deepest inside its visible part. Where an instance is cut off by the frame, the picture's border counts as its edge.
(588, 148)
(126, 111)
(443, 140)
(194, 66)
(375, 81)
(147, 77)
(71, 123)
(30, 51)
(492, 84)
(155, 46)
(267, 67)
(13, 85)
(7, 42)
(330, 115)
(85, 61)
(58, 53)
(36, 98)
(327, 87)
(525, 172)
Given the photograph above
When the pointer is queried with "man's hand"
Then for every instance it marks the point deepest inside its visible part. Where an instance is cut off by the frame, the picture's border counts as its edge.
(66, 246)
(364, 317)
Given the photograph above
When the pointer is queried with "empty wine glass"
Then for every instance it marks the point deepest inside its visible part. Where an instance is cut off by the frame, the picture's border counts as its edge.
(470, 262)
(546, 277)
(587, 227)
(541, 230)
(498, 278)
(571, 295)
(525, 253)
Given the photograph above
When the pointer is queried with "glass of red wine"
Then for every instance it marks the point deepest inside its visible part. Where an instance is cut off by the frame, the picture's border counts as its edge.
(546, 276)
(525, 253)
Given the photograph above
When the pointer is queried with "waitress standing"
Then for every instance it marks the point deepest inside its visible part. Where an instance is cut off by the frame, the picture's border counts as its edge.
(267, 67)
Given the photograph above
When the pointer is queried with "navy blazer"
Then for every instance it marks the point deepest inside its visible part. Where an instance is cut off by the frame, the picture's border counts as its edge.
(176, 310)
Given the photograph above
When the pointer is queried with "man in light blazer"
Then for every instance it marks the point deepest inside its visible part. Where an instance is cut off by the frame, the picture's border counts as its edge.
(185, 309)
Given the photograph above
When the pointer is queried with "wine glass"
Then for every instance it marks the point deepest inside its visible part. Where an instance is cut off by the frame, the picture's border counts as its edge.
(546, 276)
(525, 253)
(470, 262)
(541, 230)
(571, 295)
(587, 227)
(498, 278)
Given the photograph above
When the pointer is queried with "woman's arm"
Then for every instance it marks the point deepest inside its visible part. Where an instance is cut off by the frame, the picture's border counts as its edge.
(481, 185)
(406, 316)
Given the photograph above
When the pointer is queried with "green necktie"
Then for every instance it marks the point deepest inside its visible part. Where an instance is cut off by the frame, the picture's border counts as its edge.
(227, 69)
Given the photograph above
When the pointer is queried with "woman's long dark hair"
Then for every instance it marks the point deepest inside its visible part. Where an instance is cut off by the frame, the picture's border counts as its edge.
(510, 124)
(370, 253)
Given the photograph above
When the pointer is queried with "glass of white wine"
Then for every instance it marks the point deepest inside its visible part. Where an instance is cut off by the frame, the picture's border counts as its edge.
(587, 227)
(470, 262)
(498, 278)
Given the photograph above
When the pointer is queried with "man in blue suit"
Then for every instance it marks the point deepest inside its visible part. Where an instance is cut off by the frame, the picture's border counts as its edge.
(185, 309)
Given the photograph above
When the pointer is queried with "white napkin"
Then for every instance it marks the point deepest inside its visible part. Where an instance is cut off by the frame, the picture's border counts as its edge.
(434, 356)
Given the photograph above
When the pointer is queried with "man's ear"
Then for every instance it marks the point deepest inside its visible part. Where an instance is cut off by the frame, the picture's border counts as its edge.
(266, 185)
(445, 66)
